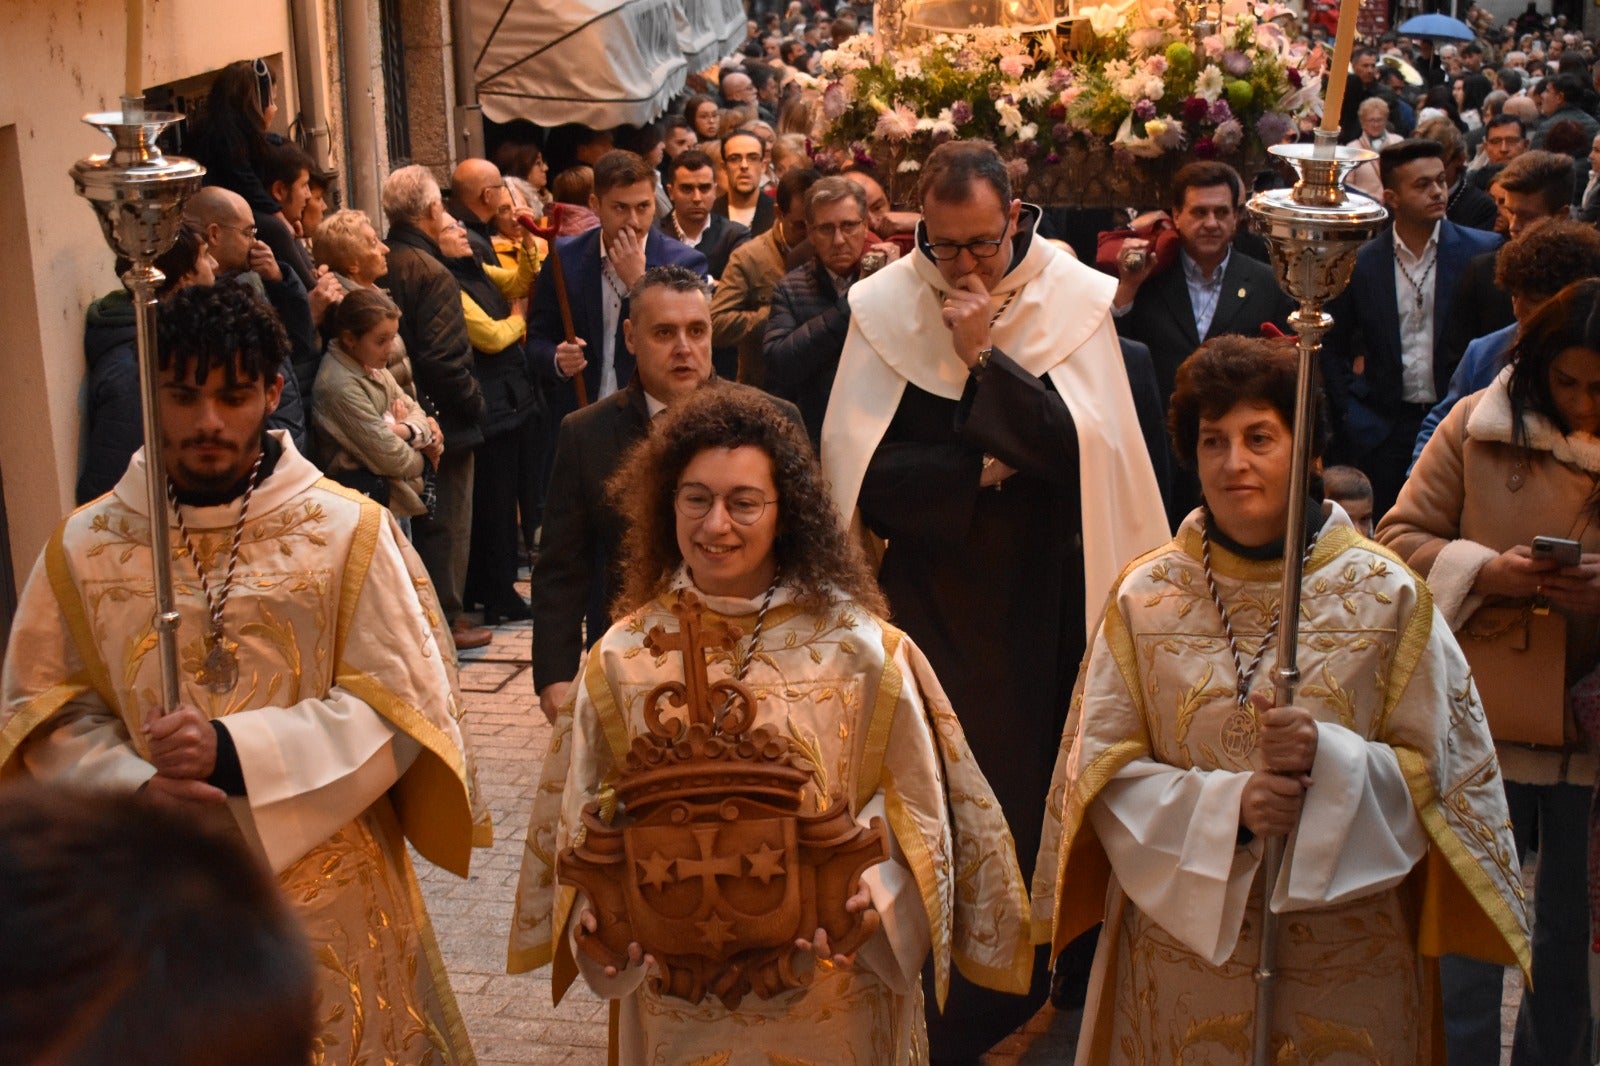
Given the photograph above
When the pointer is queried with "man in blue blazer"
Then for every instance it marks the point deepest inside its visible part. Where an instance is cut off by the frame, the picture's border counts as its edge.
(600, 265)
(1382, 363)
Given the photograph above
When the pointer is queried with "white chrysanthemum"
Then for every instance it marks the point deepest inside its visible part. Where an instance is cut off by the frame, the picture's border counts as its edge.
(909, 166)
(1208, 86)
(1034, 91)
(909, 67)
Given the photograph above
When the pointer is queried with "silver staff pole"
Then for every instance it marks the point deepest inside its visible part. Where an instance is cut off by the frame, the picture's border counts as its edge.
(1314, 231)
(138, 193)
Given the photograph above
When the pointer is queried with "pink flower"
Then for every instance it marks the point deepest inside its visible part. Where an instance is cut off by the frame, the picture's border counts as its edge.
(1213, 45)
(1069, 94)
(897, 123)
(1229, 135)
(834, 101)
(1015, 66)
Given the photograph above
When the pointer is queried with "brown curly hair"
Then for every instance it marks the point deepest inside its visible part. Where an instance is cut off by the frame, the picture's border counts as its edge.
(814, 555)
(1551, 255)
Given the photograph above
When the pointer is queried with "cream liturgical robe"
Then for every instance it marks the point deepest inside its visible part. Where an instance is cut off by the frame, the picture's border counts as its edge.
(345, 718)
(860, 700)
(1404, 846)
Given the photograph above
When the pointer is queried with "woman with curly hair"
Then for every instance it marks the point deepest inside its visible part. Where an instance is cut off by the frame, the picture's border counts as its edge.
(727, 516)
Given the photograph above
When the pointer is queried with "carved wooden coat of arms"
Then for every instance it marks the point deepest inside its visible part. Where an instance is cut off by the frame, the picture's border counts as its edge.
(707, 862)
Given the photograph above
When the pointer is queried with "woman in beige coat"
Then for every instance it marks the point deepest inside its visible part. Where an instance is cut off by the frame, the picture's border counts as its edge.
(1518, 460)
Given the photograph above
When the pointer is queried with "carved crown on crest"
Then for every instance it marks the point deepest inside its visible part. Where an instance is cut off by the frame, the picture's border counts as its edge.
(709, 863)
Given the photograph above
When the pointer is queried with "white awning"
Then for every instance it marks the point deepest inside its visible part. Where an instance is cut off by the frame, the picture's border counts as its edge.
(709, 31)
(599, 63)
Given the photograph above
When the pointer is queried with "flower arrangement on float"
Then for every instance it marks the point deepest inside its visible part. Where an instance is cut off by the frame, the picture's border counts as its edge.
(1147, 84)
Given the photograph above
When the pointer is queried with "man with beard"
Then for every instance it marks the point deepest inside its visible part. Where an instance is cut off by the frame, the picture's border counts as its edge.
(317, 710)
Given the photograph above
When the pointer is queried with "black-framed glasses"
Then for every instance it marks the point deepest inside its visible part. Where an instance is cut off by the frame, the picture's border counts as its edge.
(744, 506)
(945, 251)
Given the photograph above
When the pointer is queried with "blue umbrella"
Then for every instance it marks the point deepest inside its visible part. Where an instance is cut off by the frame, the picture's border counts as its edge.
(1439, 27)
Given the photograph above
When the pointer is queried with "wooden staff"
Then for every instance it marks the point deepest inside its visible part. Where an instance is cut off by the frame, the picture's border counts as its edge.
(547, 230)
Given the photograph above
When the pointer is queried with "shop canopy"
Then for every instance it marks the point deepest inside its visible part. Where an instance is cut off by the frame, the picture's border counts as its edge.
(599, 63)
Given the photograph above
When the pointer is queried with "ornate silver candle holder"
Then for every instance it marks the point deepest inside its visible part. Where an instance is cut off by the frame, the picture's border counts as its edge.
(1313, 231)
(137, 194)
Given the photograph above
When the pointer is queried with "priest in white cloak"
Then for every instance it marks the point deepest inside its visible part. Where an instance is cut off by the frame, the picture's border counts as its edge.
(982, 424)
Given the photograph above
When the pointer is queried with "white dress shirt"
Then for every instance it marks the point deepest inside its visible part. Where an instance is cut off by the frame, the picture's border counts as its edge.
(611, 293)
(1416, 280)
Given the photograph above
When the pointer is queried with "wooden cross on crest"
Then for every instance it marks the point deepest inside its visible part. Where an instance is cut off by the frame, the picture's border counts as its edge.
(693, 637)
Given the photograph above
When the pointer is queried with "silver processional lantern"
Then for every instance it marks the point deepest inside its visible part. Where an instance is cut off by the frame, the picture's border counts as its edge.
(1313, 231)
(138, 194)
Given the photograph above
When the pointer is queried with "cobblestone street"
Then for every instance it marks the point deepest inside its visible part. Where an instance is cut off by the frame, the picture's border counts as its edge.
(510, 1018)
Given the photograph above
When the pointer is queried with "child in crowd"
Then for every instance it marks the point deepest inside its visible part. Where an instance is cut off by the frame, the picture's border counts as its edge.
(1350, 489)
(370, 434)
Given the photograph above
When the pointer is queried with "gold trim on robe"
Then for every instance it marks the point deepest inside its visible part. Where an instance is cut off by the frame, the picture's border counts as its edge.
(1372, 660)
(858, 699)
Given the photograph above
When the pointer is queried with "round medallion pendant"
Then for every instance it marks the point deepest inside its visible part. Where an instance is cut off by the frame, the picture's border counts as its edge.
(1239, 734)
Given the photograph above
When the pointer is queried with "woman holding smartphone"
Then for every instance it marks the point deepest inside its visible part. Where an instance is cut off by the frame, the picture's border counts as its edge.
(1517, 461)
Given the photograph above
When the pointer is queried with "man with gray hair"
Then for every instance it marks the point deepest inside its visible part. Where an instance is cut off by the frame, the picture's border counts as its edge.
(434, 329)
(810, 314)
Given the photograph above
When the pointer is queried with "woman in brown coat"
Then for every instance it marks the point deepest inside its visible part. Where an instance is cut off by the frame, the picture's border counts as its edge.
(1518, 460)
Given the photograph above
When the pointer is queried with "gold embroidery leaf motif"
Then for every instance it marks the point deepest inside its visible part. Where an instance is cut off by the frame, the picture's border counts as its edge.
(1232, 1031)
(120, 533)
(289, 524)
(1190, 703)
(1325, 1041)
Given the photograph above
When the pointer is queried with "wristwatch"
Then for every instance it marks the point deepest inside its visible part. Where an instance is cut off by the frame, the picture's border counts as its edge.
(982, 361)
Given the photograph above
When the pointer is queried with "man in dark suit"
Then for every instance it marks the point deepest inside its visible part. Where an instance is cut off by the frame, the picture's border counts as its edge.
(574, 580)
(692, 187)
(1532, 187)
(601, 265)
(1382, 362)
(1211, 290)
(744, 155)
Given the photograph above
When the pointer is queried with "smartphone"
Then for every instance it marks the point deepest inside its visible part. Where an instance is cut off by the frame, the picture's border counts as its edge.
(1558, 550)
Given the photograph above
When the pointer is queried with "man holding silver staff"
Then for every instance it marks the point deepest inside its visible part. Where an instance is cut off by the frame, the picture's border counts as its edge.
(317, 708)
(1379, 780)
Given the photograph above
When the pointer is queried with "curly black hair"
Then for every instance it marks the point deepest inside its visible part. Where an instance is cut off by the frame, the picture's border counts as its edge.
(816, 557)
(226, 326)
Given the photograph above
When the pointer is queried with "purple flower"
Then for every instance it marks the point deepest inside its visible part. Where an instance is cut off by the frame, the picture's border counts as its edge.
(1235, 63)
(1060, 132)
(961, 112)
(1272, 127)
(862, 158)
(1194, 109)
(1205, 148)
(1294, 78)
(995, 92)
(1219, 112)
(1052, 159)
(1145, 109)
(1060, 78)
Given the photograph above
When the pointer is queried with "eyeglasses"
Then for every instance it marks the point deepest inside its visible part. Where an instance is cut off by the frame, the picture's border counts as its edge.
(828, 230)
(944, 252)
(248, 231)
(744, 506)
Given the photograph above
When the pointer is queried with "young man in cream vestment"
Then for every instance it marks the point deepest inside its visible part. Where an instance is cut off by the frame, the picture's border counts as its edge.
(318, 713)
